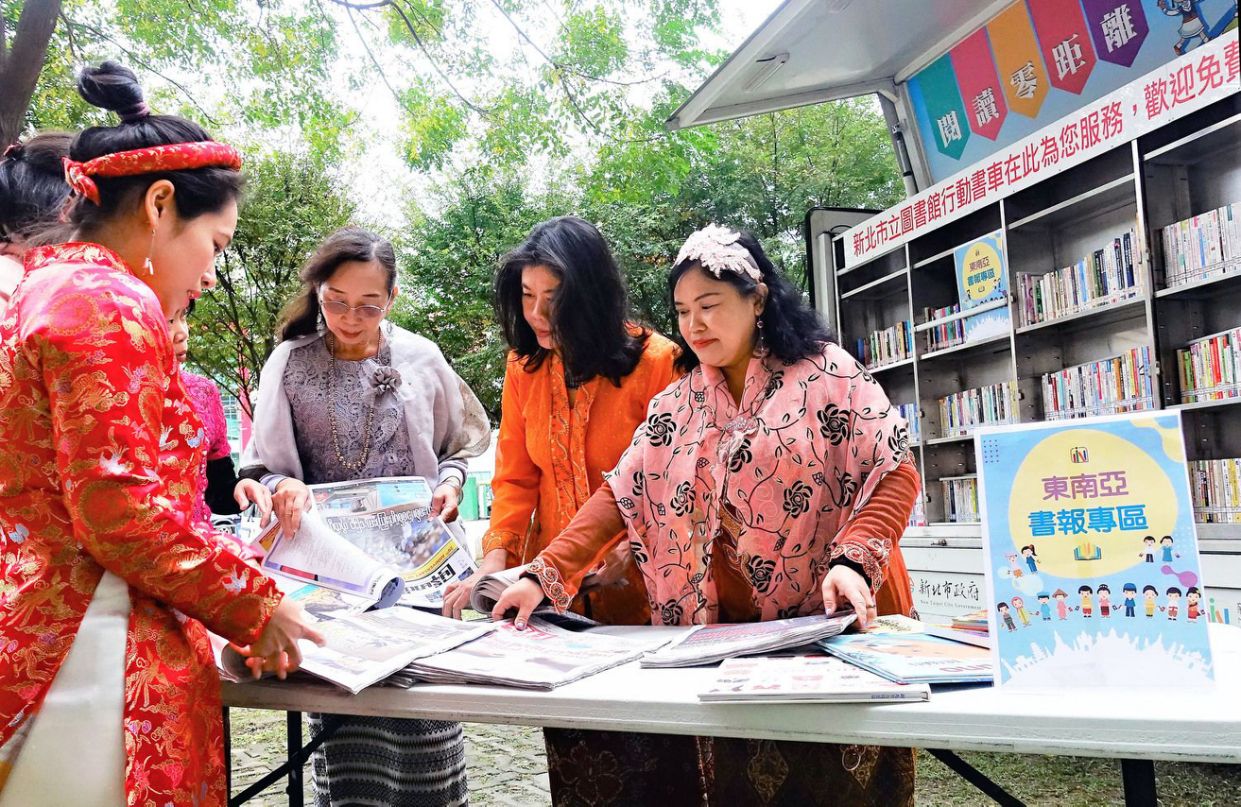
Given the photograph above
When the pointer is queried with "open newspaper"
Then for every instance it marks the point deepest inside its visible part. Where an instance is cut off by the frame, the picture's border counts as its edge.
(711, 643)
(804, 678)
(364, 649)
(543, 656)
(373, 539)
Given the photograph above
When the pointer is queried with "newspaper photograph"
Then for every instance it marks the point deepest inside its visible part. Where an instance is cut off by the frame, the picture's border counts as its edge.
(390, 520)
(371, 538)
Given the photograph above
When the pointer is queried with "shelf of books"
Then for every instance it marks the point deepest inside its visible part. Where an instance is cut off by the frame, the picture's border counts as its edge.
(1112, 286)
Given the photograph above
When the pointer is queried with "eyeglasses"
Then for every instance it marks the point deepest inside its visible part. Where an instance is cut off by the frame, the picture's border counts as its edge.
(338, 308)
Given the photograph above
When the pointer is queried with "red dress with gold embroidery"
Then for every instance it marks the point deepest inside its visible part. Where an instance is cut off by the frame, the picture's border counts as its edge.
(99, 457)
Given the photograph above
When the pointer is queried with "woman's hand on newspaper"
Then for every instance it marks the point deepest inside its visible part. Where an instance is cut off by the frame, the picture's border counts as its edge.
(845, 587)
(292, 498)
(276, 649)
(457, 593)
(524, 596)
(445, 500)
(251, 492)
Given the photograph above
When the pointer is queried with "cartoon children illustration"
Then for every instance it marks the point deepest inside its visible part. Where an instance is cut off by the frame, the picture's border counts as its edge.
(1013, 566)
(1193, 25)
(1165, 544)
(1174, 599)
(1148, 549)
(1192, 609)
(1152, 595)
(1104, 594)
(1007, 617)
(1019, 605)
(1062, 607)
(1087, 603)
(1044, 605)
(1131, 599)
(1031, 557)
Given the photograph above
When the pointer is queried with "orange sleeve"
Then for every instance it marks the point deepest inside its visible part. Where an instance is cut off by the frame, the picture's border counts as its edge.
(867, 540)
(663, 369)
(595, 529)
(515, 485)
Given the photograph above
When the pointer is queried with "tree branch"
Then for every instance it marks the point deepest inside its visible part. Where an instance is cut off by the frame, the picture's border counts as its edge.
(145, 66)
(413, 32)
(366, 46)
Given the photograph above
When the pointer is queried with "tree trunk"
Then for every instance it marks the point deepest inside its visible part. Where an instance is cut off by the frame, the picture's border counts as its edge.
(21, 61)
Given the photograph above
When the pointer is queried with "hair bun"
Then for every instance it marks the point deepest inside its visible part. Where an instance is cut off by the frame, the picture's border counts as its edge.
(114, 87)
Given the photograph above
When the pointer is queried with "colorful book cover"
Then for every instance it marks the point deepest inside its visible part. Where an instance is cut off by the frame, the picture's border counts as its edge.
(982, 280)
(1091, 554)
(913, 658)
(808, 679)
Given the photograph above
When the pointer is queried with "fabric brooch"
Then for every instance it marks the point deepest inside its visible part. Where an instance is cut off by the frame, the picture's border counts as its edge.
(385, 380)
(717, 249)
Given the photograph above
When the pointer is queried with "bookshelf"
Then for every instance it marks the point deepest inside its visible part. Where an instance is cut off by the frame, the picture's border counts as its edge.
(1157, 314)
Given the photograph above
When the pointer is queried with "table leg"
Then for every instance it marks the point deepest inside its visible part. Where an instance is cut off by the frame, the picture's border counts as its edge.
(228, 753)
(1139, 779)
(294, 724)
(976, 778)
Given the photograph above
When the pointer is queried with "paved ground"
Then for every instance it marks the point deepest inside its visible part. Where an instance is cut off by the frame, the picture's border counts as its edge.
(507, 768)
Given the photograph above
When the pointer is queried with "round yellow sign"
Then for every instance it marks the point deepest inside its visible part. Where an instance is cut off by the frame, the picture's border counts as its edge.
(1096, 493)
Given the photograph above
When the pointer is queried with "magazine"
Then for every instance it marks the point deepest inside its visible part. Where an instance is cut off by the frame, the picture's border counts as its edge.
(913, 658)
(711, 643)
(543, 656)
(364, 649)
(814, 679)
(373, 538)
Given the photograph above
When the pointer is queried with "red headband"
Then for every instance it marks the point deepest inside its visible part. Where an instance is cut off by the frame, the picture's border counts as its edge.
(176, 157)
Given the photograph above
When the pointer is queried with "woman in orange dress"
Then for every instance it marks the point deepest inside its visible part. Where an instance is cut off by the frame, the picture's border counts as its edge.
(108, 688)
(578, 382)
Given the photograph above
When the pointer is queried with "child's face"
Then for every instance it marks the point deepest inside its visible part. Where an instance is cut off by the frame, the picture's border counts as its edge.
(1150, 595)
(1061, 597)
(1192, 598)
(1104, 596)
(1003, 609)
(179, 330)
(1027, 552)
(1173, 596)
(1043, 600)
(1148, 541)
(1166, 542)
(1018, 602)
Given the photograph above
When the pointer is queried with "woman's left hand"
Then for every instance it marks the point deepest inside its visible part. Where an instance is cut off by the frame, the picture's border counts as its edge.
(844, 586)
(445, 500)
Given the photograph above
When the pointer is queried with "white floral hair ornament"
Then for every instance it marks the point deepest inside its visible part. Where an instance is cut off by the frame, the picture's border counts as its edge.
(717, 249)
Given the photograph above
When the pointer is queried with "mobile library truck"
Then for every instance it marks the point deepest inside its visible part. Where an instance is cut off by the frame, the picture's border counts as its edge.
(1070, 244)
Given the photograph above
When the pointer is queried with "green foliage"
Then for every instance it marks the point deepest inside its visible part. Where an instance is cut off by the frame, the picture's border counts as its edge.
(448, 261)
(565, 118)
(291, 205)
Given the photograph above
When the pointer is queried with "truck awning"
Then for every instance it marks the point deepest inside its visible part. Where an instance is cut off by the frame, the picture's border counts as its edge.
(811, 51)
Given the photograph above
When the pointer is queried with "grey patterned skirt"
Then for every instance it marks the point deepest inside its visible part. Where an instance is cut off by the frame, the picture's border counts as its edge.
(389, 762)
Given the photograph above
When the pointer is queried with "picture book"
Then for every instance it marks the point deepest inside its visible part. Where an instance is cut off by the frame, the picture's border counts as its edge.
(913, 658)
(982, 283)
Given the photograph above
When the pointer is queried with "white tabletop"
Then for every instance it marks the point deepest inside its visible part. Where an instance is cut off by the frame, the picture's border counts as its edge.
(1198, 726)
